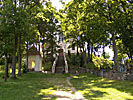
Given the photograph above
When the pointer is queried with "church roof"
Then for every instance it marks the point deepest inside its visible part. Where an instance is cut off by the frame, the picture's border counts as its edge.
(33, 51)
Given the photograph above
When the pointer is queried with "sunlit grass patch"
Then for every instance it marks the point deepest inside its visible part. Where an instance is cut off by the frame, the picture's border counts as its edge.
(48, 91)
(97, 88)
(33, 86)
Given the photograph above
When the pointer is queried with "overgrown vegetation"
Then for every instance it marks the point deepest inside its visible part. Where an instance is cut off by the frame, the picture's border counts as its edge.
(102, 63)
(47, 66)
(97, 62)
(97, 24)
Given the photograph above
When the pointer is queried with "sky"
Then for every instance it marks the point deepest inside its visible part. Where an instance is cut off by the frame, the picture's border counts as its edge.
(58, 5)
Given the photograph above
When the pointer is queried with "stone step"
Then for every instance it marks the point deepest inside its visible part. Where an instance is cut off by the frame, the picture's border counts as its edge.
(60, 61)
(59, 69)
(60, 65)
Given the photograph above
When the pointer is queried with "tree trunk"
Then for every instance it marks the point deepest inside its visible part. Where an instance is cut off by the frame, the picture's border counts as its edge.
(43, 58)
(131, 58)
(80, 48)
(130, 55)
(88, 48)
(103, 51)
(84, 56)
(52, 49)
(39, 46)
(83, 47)
(27, 56)
(86, 64)
(77, 51)
(43, 53)
(91, 52)
(114, 43)
(15, 48)
(6, 68)
(14, 59)
(52, 53)
(115, 53)
(19, 56)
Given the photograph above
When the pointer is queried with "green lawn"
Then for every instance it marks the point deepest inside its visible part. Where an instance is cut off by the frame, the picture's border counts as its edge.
(33, 86)
(97, 88)
(39, 86)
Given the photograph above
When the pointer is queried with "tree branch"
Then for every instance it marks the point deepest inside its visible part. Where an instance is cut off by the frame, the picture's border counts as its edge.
(32, 6)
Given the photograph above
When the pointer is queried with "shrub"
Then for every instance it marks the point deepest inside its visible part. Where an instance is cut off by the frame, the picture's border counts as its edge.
(25, 69)
(75, 60)
(102, 63)
(69, 54)
(2, 61)
(47, 66)
(91, 65)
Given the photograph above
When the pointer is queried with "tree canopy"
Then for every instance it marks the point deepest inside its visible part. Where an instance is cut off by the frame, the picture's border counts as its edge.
(97, 23)
(100, 23)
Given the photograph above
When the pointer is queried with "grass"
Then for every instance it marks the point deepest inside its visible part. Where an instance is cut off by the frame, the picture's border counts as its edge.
(33, 86)
(97, 88)
(39, 86)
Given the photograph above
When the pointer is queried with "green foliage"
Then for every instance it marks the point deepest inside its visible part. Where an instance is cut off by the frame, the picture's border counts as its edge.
(25, 68)
(75, 60)
(68, 60)
(2, 68)
(2, 61)
(129, 61)
(102, 63)
(91, 65)
(82, 62)
(69, 54)
(31, 21)
(96, 22)
(107, 56)
(97, 62)
(47, 66)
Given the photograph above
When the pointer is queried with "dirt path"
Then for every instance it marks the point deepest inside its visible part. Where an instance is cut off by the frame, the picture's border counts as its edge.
(64, 91)
(77, 95)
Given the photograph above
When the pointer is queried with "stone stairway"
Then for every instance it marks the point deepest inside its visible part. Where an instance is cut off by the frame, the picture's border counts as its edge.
(60, 65)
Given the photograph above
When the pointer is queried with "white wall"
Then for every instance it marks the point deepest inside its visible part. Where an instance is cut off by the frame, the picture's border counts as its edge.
(38, 62)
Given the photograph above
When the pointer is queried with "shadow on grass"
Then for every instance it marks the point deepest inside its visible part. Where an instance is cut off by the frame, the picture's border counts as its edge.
(93, 87)
(34, 86)
(94, 93)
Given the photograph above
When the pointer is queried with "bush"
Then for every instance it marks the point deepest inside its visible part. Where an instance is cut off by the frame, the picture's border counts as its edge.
(47, 66)
(68, 60)
(25, 69)
(91, 65)
(75, 60)
(2, 61)
(69, 54)
(102, 63)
